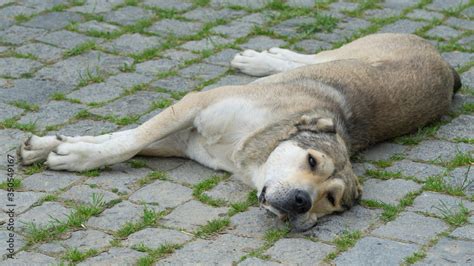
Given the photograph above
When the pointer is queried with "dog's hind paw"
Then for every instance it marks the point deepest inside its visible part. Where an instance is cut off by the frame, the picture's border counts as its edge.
(36, 149)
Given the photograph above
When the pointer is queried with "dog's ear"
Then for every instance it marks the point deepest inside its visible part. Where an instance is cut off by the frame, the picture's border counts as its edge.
(316, 123)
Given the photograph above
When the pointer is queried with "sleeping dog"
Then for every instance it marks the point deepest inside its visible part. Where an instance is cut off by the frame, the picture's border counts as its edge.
(290, 134)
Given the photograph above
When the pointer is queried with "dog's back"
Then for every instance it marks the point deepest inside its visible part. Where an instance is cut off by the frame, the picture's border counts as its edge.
(393, 83)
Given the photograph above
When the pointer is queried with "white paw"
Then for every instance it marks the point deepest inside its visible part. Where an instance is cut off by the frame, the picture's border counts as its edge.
(80, 156)
(289, 55)
(254, 63)
(36, 149)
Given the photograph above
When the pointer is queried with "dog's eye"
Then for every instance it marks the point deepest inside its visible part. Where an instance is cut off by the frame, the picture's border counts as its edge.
(331, 199)
(312, 162)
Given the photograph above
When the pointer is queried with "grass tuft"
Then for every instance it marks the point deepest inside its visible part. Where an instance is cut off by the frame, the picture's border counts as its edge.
(322, 23)
(81, 48)
(205, 185)
(452, 216)
(26, 106)
(137, 163)
(213, 227)
(156, 175)
(74, 255)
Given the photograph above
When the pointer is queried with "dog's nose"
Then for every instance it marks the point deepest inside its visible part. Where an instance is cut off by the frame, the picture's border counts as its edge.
(301, 201)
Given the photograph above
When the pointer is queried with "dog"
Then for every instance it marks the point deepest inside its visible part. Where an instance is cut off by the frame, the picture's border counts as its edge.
(289, 134)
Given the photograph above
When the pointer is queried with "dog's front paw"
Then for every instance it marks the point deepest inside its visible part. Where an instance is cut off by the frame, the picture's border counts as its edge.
(254, 63)
(36, 149)
(78, 157)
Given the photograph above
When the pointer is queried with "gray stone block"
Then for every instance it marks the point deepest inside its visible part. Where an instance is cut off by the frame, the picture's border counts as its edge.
(467, 42)
(132, 43)
(42, 5)
(467, 78)
(361, 168)
(460, 23)
(403, 26)
(447, 250)
(461, 127)
(154, 67)
(65, 39)
(51, 249)
(466, 232)
(203, 71)
(429, 150)
(463, 178)
(313, 46)
(34, 91)
(412, 227)
(357, 218)
(30, 258)
(22, 200)
(115, 256)
(135, 104)
(119, 177)
(16, 67)
(44, 215)
(179, 56)
(95, 26)
(20, 35)
(299, 251)
(87, 128)
(162, 163)
(446, 5)
(253, 261)
(175, 27)
(162, 193)
(291, 26)
(128, 80)
(457, 59)
(436, 203)
(234, 29)
(87, 239)
(53, 20)
(383, 151)
(54, 113)
(165, 4)
(376, 251)
(208, 14)
(115, 218)
(191, 173)
(178, 84)
(128, 15)
(230, 190)
(261, 43)
(9, 111)
(255, 4)
(84, 194)
(424, 14)
(420, 171)
(443, 32)
(155, 237)
(49, 181)
(225, 249)
(72, 70)
(468, 12)
(208, 43)
(389, 191)
(95, 6)
(96, 93)
(254, 222)
(43, 52)
(191, 215)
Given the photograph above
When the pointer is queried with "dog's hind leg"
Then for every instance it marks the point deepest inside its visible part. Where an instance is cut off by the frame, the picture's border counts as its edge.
(82, 156)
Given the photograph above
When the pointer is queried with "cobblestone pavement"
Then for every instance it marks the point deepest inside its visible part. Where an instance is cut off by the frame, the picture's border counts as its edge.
(94, 66)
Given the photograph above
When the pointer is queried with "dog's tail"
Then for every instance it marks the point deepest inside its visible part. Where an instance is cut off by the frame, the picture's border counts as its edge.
(457, 81)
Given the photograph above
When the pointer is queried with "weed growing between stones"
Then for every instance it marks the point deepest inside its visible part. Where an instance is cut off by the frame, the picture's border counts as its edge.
(212, 227)
(452, 216)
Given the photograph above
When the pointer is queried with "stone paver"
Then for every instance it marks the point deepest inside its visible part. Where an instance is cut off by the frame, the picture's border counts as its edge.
(299, 251)
(384, 191)
(162, 193)
(155, 237)
(223, 250)
(412, 227)
(201, 213)
(114, 218)
(376, 251)
(122, 61)
(420, 171)
(456, 252)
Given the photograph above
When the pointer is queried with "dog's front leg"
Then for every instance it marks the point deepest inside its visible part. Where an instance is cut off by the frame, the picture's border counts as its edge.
(81, 156)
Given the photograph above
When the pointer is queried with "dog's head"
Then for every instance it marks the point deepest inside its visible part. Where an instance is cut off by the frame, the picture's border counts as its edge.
(309, 175)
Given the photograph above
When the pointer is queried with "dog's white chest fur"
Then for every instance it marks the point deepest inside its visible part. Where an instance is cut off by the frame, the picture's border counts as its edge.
(220, 129)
